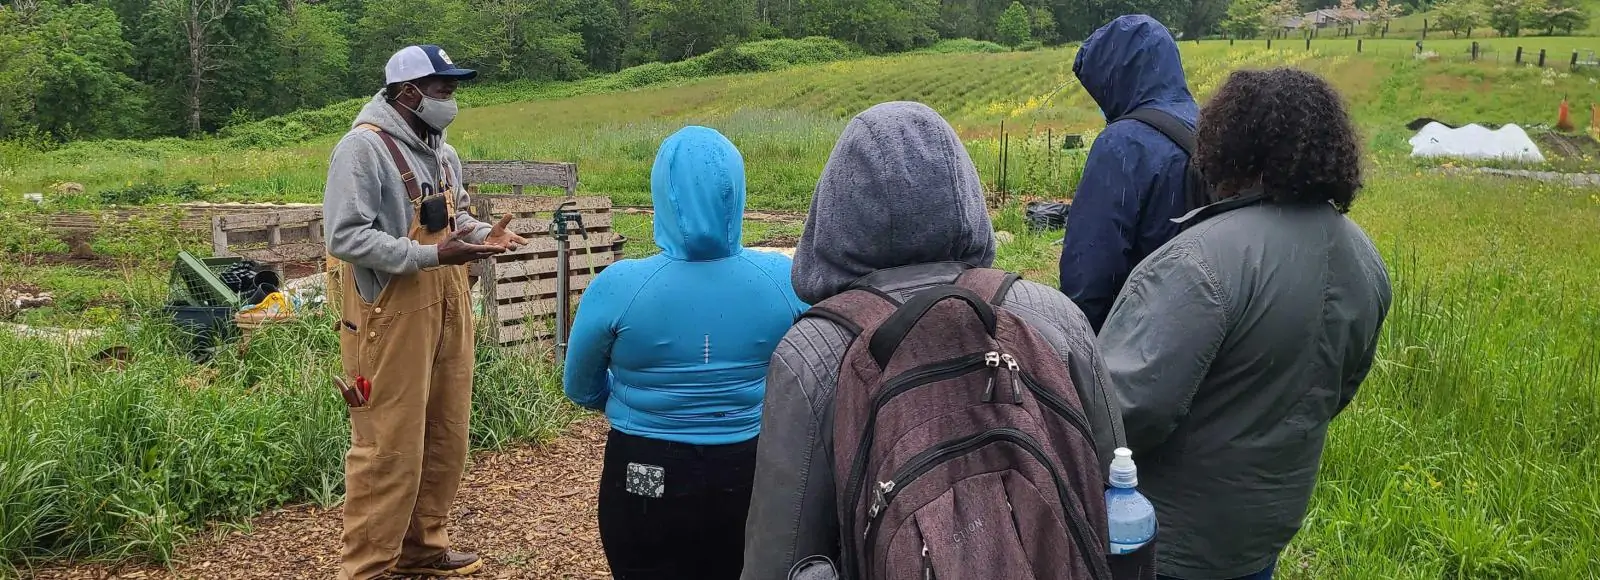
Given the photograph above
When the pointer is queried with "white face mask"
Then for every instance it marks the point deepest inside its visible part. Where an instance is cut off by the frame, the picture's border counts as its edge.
(437, 113)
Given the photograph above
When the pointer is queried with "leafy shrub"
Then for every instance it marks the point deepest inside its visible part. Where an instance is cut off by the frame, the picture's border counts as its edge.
(964, 45)
(146, 192)
(728, 60)
(1030, 46)
(294, 127)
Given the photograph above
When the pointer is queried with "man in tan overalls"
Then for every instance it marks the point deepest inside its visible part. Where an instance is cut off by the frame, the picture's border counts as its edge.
(395, 220)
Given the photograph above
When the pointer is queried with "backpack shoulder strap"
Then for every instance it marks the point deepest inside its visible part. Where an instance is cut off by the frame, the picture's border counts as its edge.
(413, 191)
(1196, 193)
(989, 283)
(854, 310)
(1180, 134)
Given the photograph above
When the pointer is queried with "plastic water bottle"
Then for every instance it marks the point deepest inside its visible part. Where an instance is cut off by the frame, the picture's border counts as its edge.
(1133, 518)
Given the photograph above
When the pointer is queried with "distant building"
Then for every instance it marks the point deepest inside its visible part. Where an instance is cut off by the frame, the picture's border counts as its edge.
(1325, 18)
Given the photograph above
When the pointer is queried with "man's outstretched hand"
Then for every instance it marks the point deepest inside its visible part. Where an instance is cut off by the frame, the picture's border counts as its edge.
(454, 251)
(500, 236)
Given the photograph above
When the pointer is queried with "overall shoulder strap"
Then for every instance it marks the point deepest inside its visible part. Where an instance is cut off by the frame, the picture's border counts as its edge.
(1180, 134)
(854, 310)
(413, 191)
(989, 283)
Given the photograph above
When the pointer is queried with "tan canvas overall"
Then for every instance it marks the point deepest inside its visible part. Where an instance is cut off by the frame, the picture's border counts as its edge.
(409, 443)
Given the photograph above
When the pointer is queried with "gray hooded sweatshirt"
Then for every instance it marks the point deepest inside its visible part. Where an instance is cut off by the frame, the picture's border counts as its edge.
(1232, 347)
(899, 208)
(365, 211)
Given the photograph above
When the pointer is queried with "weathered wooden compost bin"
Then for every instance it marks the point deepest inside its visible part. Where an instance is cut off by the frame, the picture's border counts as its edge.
(273, 238)
(520, 297)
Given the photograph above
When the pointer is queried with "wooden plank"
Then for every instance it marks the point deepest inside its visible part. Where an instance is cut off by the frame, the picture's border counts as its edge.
(497, 205)
(540, 173)
(285, 236)
(275, 235)
(541, 288)
(482, 268)
(524, 332)
(532, 268)
(598, 241)
(316, 231)
(284, 253)
(521, 311)
(263, 220)
(539, 226)
(219, 238)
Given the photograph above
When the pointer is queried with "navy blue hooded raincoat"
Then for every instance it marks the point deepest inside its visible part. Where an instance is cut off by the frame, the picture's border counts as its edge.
(1133, 182)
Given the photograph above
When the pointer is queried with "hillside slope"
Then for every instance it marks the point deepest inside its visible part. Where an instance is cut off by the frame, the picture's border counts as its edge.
(785, 122)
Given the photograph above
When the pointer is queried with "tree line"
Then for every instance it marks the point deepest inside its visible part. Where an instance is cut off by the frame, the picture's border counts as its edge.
(80, 69)
(1511, 17)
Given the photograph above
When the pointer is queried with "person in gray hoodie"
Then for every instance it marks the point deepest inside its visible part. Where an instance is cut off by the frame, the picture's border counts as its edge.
(898, 208)
(1234, 345)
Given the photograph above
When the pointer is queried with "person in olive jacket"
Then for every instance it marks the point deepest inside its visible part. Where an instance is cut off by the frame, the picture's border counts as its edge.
(1234, 345)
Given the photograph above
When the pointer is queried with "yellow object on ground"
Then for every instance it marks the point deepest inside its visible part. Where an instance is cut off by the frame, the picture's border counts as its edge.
(275, 304)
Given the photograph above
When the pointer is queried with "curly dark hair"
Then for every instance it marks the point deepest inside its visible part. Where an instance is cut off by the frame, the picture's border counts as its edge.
(1284, 130)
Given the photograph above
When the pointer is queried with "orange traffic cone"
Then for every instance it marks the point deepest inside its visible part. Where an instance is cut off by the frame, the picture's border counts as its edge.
(1564, 121)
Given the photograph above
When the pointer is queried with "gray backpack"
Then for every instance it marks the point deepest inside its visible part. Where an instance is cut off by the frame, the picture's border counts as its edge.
(961, 448)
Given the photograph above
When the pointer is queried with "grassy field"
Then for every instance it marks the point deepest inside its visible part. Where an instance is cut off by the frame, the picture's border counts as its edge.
(1470, 452)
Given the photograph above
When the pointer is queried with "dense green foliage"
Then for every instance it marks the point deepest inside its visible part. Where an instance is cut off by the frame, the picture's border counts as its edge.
(98, 69)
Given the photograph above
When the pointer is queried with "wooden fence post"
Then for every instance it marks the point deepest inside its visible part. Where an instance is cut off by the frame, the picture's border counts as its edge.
(1519, 55)
(1541, 58)
(1358, 45)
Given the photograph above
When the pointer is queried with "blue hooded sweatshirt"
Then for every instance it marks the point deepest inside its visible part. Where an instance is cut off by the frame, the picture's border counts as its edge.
(675, 346)
(1133, 181)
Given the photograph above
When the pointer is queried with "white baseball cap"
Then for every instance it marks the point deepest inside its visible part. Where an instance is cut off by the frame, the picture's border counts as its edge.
(415, 62)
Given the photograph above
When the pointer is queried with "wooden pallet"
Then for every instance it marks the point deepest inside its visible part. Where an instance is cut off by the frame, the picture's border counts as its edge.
(186, 216)
(271, 237)
(520, 298)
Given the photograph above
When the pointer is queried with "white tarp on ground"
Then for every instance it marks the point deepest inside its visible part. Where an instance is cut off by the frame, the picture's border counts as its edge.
(1508, 143)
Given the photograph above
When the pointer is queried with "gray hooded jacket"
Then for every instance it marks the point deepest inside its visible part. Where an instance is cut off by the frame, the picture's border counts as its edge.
(899, 208)
(365, 211)
(1232, 347)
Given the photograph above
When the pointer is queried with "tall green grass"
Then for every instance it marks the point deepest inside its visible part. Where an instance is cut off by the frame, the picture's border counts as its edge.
(101, 462)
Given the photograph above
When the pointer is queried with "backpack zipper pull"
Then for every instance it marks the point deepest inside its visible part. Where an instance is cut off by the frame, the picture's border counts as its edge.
(1016, 380)
(991, 359)
(880, 499)
(927, 564)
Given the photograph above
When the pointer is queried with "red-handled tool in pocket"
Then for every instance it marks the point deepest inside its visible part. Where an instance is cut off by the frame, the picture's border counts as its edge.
(352, 397)
(365, 386)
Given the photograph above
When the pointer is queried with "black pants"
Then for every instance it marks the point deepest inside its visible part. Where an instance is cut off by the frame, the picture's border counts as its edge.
(674, 511)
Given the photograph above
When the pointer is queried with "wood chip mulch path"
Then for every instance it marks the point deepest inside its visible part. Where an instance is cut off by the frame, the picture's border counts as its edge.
(530, 512)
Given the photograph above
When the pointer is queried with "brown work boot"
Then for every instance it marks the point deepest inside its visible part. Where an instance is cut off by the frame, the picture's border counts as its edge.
(451, 563)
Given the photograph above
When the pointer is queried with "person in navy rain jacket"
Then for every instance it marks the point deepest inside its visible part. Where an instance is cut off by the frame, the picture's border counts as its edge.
(1133, 182)
(674, 348)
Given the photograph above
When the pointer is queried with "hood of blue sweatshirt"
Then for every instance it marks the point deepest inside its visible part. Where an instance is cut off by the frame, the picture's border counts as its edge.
(697, 186)
(1131, 63)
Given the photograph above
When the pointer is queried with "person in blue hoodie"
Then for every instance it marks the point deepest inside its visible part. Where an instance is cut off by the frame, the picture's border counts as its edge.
(1134, 181)
(674, 349)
